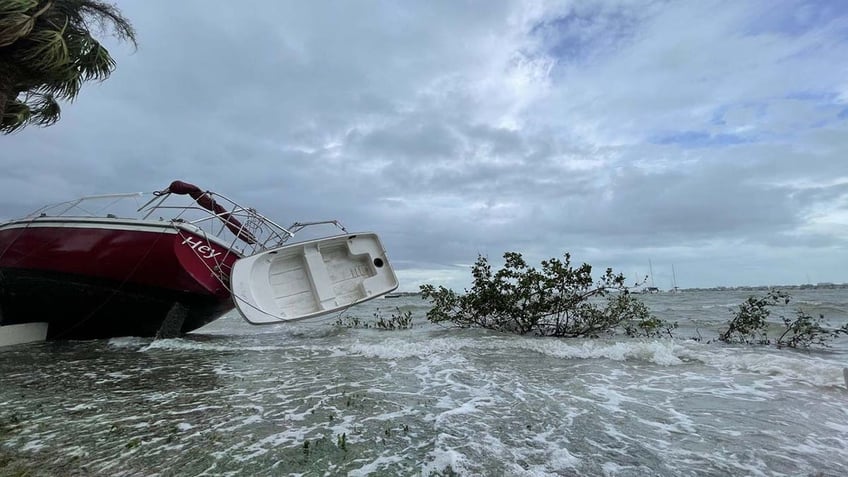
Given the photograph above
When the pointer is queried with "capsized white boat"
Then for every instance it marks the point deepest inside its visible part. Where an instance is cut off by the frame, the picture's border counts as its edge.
(312, 278)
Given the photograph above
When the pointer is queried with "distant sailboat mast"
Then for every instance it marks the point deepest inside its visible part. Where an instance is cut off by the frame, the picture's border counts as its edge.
(652, 288)
(673, 279)
(651, 268)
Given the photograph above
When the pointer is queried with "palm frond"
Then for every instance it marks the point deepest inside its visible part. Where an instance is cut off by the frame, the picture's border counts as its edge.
(15, 116)
(48, 50)
(45, 110)
(64, 83)
(13, 27)
(16, 21)
(96, 64)
(36, 108)
(109, 17)
(11, 7)
(99, 15)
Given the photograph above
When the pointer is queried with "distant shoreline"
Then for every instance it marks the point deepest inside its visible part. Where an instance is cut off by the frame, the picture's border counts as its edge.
(805, 286)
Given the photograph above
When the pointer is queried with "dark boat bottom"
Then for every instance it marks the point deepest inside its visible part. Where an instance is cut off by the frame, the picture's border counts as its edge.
(79, 307)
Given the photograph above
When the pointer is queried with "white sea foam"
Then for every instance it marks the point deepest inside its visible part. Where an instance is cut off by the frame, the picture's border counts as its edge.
(182, 344)
(727, 306)
(394, 348)
(780, 364)
(426, 400)
(375, 465)
(127, 342)
(33, 445)
(442, 459)
(657, 351)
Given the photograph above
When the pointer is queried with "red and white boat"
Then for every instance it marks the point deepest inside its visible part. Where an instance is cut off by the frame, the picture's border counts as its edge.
(142, 264)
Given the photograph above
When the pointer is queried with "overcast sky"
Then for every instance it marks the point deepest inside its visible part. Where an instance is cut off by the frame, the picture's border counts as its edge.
(711, 136)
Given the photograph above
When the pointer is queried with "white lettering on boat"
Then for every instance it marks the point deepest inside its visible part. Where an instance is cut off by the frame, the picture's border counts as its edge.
(205, 251)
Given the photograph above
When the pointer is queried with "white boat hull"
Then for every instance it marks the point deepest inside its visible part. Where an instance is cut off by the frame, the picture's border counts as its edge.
(309, 279)
(11, 335)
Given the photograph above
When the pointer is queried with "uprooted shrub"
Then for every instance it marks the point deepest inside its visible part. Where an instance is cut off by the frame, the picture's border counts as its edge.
(750, 324)
(556, 300)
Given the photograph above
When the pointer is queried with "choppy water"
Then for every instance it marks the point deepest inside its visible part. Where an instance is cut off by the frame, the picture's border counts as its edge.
(323, 400)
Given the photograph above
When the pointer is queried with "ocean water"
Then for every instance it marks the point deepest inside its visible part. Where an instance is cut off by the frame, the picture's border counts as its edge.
(318, 399)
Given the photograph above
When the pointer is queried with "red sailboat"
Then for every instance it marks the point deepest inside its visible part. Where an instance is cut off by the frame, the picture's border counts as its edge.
(142, 264)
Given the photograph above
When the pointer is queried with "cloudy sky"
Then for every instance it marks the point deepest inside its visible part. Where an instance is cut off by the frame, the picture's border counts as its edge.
(708, 136)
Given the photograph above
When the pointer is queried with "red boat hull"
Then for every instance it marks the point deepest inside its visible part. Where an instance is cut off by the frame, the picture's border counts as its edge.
(100, 278)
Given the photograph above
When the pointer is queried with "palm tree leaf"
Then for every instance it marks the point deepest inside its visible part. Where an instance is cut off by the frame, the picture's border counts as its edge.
(16, 19)
(64, 83)
(36, 108)
(96, 64)
(13, 27)
(44, 109)
(107, 17)
(11, 7)
(48, 50)
(15, 116)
